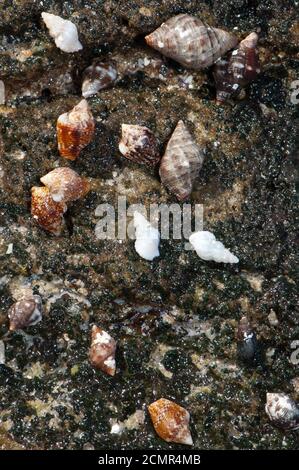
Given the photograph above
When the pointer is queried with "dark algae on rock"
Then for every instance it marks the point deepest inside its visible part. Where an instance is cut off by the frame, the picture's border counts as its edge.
(174, 319)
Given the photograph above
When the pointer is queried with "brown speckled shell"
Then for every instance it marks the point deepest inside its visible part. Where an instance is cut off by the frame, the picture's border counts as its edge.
(46, 212)
(237, 70)
(171, 421)
(97, 77)
(181, 163)
(282, 411)
(75, 130)
(139, 144)
(102, 351)
(25, 312)
(191, 42)
(65, 184)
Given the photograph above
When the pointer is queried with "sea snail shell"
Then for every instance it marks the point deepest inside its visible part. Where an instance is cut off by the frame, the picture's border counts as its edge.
(102, 351)
(139, 144)
(75, 130)
(171, 421)
(181, 163)
(237, 70)
(46, 212)
(191, 42)
(65, 184)
(282, 411)
(25, 312)
(97, 77)
(64, 32)
(210, 249)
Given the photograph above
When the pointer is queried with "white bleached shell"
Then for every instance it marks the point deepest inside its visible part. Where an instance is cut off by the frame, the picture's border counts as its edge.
(210, 249)
(282, 411)
(147, 238)
(64, 32)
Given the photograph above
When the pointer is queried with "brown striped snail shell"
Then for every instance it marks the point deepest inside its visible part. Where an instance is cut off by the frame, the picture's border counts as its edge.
(102, 351)
(97, 77)
(139, 144)
(45, 211)
(75, 130)
(189, 41)
(65, 184)
(171, 421)
(282, 411)
(237, 70)
(181, 163)
(25, 312)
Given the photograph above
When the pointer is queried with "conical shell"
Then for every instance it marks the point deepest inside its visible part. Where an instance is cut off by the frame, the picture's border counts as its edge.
(191, 42)
(65, 184)
(102, 351)
(25, 312)
(181, 162)
(63, 31)
(139, 144)
(237, 70)
(45, 211)
(171, 421)
(282, 411)
(75, 130)
(96, 77)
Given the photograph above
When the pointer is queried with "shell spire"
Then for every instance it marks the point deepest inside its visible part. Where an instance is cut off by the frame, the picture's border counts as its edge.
(171, 421)
(139, 144)
(102, 351)
(237, 70)
(181, 162)
(75, 130)
(191, 42)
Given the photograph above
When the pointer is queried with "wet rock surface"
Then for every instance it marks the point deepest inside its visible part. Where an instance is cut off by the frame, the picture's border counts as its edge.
(174, 319)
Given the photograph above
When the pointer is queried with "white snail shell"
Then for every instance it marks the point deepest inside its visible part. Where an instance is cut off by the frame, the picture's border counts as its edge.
(64, 32)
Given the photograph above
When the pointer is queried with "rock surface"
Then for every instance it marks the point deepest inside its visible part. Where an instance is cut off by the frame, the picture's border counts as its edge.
(184, 308)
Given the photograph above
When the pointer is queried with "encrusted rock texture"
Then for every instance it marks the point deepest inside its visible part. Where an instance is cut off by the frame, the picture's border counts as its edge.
(174, 319)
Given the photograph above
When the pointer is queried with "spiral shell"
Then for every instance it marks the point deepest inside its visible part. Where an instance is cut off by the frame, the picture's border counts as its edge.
(75, 130)
(64, 32)
(181, 163)
(45, 211)
(171, 421)
(282, 411)
(65, 184)
(102, 351)
(210, 249)
(191, 42)
(237, 70)
(248, 349)
(25, 312)
(96, 77)
(139, 144)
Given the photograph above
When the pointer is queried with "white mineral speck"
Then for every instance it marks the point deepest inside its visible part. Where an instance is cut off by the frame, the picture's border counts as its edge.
(2, 352)
(147, 238)
(2, 92)
(9, 250)
(208, 248)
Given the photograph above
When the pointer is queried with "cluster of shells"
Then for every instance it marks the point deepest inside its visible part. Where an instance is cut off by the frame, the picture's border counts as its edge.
(193, 44)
